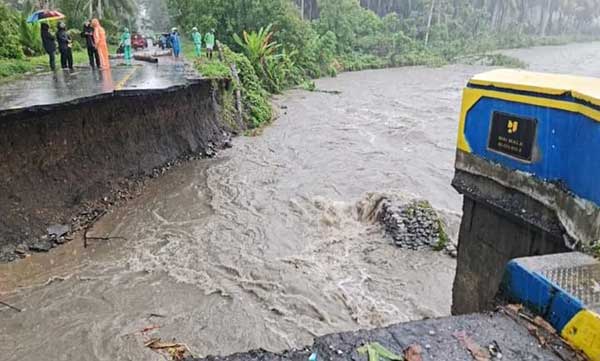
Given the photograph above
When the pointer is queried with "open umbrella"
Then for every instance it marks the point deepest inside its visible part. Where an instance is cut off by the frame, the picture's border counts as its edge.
(45, 15)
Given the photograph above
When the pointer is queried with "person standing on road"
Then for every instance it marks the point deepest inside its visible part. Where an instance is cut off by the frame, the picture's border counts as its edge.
(64, 46)
(126, 44)
(88, 35)
(209, 40)
(175, 42)
(100, 42)
(163, 41)
(197, 38)
(49, 45)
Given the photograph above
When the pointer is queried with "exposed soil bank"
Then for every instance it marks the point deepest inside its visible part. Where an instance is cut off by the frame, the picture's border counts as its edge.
(58, 161)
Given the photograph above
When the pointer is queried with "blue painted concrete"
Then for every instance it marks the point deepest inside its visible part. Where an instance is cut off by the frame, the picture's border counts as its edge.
(521, 285)
(567, 145)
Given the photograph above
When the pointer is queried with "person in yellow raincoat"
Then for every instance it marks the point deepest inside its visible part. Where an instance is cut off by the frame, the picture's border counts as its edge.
(100, 40)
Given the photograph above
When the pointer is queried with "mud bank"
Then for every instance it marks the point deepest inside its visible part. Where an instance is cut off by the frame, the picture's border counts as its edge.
(63, 163)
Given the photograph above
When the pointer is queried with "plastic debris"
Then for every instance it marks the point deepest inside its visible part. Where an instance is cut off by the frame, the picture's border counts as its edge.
(376, 352)
(313, 357)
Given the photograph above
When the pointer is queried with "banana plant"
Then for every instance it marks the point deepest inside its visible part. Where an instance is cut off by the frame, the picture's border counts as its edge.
(257, 46)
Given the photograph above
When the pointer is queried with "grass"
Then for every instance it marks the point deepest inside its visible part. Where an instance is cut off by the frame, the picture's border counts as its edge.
(212, 68)
(443, 238)
(11, 69)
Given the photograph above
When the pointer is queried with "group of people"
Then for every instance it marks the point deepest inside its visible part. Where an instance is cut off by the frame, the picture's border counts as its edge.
(95, 38)
(209, 41)
(97, 47)
(174, 41)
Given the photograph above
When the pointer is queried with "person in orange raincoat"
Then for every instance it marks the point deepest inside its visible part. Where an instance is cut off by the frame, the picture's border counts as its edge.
(100, 40)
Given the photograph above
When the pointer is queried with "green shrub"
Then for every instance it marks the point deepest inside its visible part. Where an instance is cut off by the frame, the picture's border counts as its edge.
(13, 67)
(10, 46)
(30, 37)
(255, 97)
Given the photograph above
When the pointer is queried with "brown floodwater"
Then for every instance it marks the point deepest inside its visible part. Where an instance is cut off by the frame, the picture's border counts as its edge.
(271, 243)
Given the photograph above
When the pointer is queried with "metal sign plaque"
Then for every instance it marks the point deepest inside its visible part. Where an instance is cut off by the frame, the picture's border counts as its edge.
(512, 135)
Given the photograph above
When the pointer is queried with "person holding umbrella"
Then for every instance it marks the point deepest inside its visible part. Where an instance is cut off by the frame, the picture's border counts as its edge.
(100, 42)
(88, 35)
(48, 41)
(64, 46)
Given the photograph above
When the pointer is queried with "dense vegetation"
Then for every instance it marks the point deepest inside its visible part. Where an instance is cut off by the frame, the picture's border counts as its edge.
(289, 42)
(277, 44)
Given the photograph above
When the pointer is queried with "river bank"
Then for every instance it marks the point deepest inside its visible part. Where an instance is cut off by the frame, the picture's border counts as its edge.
(264, 246)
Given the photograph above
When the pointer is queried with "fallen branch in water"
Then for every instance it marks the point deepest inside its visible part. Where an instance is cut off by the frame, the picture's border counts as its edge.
(86, 238)
(11, 306)
(176, 351)
(89, 225)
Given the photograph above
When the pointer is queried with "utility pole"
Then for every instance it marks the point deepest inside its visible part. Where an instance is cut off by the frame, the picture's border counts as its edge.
(302, 9)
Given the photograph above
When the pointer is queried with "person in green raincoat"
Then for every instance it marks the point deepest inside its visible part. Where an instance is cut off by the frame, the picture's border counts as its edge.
(197, 38)
(209, 40)
(126, 44)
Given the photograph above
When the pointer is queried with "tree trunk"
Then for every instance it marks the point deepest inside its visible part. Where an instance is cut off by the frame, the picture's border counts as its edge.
(429, 22)
(546, 14)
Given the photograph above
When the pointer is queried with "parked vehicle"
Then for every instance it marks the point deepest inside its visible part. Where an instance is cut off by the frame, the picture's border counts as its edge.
(138, 41)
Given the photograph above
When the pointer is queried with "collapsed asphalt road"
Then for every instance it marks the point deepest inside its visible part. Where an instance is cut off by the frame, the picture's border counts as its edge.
(63, 86)
(77, 143)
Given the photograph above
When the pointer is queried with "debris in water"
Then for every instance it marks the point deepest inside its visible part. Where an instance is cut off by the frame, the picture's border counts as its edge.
(156, 315)
(149, 328)
(11, 306)
(58, 230)
(375, 351)
(413, 353)
(175, 350)
(477, 352)
(494, 350)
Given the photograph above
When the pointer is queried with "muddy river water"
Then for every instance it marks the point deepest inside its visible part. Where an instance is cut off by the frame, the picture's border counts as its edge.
(272, 242)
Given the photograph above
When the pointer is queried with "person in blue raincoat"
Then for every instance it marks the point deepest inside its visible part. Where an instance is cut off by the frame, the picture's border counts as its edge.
(175, 42)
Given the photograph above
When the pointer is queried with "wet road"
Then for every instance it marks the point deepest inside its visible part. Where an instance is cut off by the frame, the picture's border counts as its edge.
(64, 86)
(269, 244)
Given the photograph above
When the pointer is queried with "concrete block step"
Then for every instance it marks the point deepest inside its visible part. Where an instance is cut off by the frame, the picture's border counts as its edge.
(565, 290)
